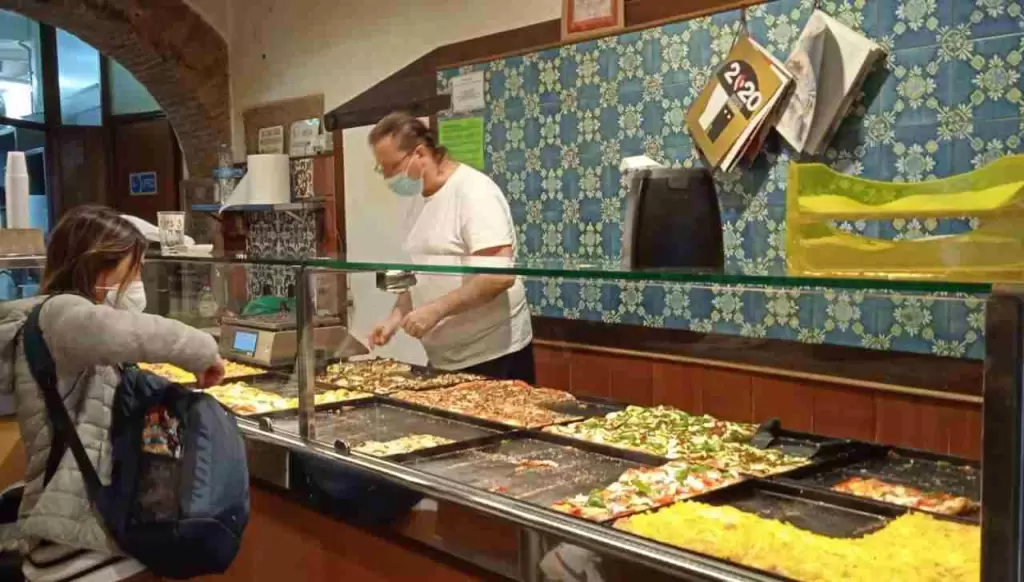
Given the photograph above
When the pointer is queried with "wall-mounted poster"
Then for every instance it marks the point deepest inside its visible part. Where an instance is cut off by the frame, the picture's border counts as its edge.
(585, 18)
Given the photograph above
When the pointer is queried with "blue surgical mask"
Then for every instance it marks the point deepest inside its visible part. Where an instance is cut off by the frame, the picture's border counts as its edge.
(404, 186)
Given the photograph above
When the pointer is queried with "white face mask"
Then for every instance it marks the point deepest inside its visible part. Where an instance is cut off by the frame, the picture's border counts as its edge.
(133, 298)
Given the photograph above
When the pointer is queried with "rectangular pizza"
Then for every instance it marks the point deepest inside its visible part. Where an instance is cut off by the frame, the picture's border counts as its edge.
(384, 376)
(176, 374)
(660, 430)
(505, 401)
(644, 488)
(936, 502)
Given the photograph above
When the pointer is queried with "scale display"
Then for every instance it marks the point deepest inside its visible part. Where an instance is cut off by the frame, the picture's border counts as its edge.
(245, 342)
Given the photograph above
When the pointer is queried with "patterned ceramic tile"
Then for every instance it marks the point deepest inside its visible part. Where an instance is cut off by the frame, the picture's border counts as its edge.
(949, 98)
(278, 234)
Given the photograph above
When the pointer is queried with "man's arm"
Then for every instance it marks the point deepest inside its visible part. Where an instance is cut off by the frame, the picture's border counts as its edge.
(477, 291)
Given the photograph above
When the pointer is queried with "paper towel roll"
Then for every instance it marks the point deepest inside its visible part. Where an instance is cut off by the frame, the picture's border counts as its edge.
(16, 184)
(267, 181)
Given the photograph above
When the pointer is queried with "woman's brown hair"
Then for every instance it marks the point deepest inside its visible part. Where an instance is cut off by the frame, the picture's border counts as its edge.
(87, 242)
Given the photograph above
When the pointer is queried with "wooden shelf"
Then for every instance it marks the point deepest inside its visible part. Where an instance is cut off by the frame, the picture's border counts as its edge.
(312, 204)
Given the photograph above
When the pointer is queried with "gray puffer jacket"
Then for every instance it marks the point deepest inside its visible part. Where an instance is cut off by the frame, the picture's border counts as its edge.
(87, 342)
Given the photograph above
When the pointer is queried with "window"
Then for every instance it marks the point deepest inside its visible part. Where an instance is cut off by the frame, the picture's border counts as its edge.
(21, 92)
(127, 94)
(78, 69)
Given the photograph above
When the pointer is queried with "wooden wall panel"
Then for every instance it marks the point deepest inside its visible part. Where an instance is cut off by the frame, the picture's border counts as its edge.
(844, 412)
(931, 424)
(911, 422)
(678, 385)
(286, 541)
(554, 368)
(965, 433)
(727, 394)
(591, 374)
(789, 401)
(632, 380)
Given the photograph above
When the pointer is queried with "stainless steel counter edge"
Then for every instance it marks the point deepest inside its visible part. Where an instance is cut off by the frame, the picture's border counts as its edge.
(577, 531)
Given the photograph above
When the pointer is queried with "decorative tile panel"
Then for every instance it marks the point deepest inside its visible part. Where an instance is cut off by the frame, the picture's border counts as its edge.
(949, 98)
(278, 234)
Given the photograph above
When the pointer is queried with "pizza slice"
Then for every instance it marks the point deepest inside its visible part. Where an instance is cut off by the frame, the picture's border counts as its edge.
(936, 502)
(403, 445)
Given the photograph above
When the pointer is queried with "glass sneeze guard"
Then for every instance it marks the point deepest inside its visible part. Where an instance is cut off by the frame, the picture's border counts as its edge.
(572, 268)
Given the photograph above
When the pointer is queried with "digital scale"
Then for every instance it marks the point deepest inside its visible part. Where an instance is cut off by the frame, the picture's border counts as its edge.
(272, 341)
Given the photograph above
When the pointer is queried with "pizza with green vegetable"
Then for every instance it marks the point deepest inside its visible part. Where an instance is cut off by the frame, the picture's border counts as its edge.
(742, 458)
(644, 488)
(661, 430)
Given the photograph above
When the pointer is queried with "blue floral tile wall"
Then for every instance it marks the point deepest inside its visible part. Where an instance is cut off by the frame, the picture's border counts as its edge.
(948, 99)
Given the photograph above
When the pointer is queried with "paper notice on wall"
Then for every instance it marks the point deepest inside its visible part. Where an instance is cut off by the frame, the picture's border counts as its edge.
(468, 93)
(464, 139)
(270, 140)
(303, 137)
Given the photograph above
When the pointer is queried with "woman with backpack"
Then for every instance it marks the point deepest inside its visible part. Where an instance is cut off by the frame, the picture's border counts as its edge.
(92, 323)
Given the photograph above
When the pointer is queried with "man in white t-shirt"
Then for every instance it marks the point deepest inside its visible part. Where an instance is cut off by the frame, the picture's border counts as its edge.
(477, 323)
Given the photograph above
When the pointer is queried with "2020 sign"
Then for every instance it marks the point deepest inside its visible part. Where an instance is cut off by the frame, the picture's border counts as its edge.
(740, 81)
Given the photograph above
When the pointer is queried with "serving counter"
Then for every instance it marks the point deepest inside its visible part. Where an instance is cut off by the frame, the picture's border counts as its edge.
(535, 483)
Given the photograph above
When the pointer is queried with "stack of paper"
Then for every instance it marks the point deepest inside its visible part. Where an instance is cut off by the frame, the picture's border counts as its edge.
(828, 64)
(733, 114)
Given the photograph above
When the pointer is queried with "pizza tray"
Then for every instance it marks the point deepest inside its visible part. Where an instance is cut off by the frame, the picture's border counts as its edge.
(280, 385)
(818, 449)
(495, 465)
(470, 418)
(268, 381)
(586, 407)
(771, 435)
(416, 373)
(347, 424)
(821, 512)
(919, 469)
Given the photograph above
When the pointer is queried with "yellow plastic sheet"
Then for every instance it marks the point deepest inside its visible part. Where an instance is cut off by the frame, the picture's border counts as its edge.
(993, 252)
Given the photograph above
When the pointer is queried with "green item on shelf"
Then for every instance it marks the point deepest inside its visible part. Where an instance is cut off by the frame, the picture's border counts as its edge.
(268, 305)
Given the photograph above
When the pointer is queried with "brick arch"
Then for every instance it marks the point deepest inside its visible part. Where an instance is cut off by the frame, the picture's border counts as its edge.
(169, 48)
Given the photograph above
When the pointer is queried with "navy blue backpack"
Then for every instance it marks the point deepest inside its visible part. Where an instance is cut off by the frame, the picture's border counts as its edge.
(178, 500)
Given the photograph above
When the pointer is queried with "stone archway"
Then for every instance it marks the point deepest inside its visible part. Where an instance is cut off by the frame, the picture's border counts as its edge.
(169, 48)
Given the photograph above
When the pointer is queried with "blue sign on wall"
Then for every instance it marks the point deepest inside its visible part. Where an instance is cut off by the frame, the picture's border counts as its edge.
(142, 183)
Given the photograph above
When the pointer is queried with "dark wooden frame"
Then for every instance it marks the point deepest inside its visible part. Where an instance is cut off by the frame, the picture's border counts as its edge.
(576, 31)
(53, 118)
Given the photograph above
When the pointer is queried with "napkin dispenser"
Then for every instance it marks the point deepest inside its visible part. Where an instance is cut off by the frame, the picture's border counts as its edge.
(672, 221)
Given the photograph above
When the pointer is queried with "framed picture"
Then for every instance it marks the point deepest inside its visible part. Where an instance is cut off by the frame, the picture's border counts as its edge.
(586, 18)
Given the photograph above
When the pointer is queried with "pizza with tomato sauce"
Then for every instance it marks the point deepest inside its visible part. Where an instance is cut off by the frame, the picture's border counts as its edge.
(935, 502)
(644, 488)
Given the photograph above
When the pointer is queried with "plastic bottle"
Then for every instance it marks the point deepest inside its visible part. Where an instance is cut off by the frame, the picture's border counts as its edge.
(207, 303)
(224, 173)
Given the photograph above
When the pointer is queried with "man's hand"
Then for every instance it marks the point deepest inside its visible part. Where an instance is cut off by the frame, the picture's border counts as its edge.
(383, 332)
(214, 375)
(420, 321)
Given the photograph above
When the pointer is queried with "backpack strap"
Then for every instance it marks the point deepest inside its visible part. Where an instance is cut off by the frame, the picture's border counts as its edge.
(44, 371)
